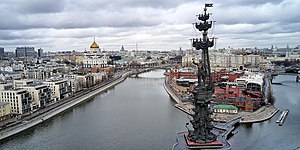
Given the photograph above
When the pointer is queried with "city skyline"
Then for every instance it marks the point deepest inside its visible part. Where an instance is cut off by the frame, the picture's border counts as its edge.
(153, 25)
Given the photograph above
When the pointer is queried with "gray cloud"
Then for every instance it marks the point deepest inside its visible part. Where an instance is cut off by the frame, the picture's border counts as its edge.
(156, 24)
(248, 2)
(286, 11)
(39, 6)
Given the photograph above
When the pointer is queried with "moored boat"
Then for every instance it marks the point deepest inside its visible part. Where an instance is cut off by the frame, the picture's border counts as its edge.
(280, 117)
(283, 117)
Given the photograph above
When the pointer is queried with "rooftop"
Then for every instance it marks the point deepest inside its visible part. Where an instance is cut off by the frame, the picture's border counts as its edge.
(228, 107)
(94, 45)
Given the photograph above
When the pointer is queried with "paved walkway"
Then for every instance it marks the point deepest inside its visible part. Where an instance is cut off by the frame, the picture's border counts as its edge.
(262, 114)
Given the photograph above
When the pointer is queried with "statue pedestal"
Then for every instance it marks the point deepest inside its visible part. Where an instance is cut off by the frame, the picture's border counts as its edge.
(196, 145)
(184, 144)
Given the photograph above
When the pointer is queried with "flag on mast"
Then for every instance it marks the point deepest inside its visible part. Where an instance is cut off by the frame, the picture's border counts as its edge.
(208, 5)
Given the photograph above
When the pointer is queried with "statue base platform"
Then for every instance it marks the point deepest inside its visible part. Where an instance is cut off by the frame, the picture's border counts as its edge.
(193, 145)
(184, 144)
(221, 130)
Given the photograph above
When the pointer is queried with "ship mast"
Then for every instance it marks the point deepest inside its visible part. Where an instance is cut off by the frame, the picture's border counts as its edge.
(201, 119)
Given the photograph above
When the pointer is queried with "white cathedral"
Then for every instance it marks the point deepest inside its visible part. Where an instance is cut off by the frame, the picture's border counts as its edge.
(94, 57)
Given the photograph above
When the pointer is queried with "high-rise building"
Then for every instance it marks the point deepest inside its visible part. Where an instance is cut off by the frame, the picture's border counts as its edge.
(20, 52)
(1, 51)
(25, 52)
(40, 52)
(122, 49)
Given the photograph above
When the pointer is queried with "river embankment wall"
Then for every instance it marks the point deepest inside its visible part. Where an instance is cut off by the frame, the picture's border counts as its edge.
(170, 92)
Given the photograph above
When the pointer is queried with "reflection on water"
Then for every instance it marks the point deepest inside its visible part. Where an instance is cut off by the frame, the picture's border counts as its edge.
(139, 114)
(153, 74)
(247, 125)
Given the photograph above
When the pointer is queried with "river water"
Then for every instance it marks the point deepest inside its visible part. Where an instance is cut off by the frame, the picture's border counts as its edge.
(139, 114)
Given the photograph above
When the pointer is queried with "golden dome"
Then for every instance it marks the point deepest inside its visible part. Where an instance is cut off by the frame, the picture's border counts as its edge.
(85, 51)
(95, 51)
(94, 45)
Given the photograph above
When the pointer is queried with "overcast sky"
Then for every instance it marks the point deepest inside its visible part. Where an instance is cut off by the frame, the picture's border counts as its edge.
(152, 24)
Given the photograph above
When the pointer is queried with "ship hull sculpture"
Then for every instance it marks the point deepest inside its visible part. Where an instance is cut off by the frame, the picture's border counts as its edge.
(204, 134)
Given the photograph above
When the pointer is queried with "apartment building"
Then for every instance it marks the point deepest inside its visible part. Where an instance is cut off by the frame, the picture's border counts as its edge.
(20, 100)
(22, 83)
(60, 88)
(41, 95)
(5, 111)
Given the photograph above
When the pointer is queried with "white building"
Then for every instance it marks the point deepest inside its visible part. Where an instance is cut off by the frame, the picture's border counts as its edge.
(6, 69)
(93, 58)
(77, 82)
(38, 73)
(20, 100)
(5, 110)
(227, 60)
(60, 88)
(95, 61)
(98, 77)
(22, 83)
(41, 95)
(5, 86)
(19, 66)
(187, 59)
(225, 109)
(253, 80)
